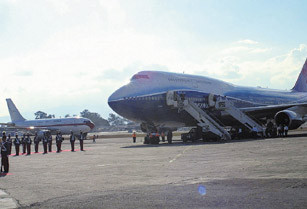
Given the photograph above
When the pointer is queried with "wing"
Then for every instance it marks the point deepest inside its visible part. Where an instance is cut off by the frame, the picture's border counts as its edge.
(269, 110)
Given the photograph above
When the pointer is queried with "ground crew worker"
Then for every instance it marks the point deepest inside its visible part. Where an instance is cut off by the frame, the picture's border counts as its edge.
(81, 138)
(45, 142)
(17, 144)
(49, 142)
(29, 142)
(72, 141)
(4, 154)
(169, 137)
(94, 139)
(36, 142)
(58, 140)
(286, 128)
(23, 142)
(9, 142)
(163, 136)
(254, 132)
(134, 137)
(239, 133)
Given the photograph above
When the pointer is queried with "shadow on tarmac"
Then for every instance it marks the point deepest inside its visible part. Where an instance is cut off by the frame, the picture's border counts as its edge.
(199, 142)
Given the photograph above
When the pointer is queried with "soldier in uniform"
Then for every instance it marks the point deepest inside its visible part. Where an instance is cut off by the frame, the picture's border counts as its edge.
(81, 138)
(36, 142)
(72, 141)
(45, 142)
(58, 140)
(29, 142)
(23, 142)
(49, 142)
(17, 144)
(4, 154)
(9, 142)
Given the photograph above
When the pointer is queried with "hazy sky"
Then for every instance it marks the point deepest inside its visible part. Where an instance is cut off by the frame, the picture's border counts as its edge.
(64, 56)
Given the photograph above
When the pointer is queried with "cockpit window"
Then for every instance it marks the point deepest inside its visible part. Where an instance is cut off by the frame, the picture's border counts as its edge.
(138, 76)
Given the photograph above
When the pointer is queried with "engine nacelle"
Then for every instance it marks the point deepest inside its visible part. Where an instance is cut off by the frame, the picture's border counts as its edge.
(41, 133)
(289, 118)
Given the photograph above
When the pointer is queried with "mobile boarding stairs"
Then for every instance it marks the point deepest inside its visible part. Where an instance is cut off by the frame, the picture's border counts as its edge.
(207, 122)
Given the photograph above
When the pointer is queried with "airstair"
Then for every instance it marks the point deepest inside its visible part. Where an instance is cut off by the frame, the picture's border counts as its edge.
(205, 121)
(226, 105)
(208, 123)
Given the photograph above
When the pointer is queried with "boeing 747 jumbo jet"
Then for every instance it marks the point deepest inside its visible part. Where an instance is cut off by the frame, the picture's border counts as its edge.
(64, 125)
(167, 101)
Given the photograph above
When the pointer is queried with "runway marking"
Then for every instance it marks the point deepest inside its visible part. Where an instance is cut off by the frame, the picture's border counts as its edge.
(5, 174)
(103, 165)
(179, 155)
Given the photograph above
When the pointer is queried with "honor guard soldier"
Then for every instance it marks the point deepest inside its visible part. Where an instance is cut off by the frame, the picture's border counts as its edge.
(4, 154)
(29, 142)
(81, 140)
(23, 142)
(17, 144)
(9, 142)
(36, 142)
(49, 142)
(72, 141)
(58, 140)
(45, 142)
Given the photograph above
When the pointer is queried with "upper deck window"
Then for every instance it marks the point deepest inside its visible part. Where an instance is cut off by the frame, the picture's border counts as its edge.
(138, 76)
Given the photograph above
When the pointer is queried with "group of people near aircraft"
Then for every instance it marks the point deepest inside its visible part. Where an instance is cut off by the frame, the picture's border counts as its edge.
(25, 141)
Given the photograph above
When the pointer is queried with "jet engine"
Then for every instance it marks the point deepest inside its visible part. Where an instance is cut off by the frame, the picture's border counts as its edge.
(289, 118)
(41, 133)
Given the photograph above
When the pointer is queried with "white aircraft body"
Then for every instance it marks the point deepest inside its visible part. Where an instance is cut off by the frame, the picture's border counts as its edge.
(64, 125)
(145, 100)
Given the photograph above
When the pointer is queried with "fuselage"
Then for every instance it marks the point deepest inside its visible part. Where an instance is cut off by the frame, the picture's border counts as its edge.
(64, 125)
(144, 98)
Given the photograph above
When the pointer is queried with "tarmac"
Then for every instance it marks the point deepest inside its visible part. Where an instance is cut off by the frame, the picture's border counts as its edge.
(116, 173)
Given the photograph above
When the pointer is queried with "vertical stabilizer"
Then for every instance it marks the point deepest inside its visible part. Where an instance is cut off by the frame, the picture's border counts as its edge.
(301, 83)
(14, 113)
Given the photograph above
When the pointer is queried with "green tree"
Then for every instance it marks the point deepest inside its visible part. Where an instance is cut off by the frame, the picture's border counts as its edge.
(95, 118)
(41, 115)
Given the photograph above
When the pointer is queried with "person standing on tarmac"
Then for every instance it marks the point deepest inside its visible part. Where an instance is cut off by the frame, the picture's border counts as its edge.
(94, 139)
(163, 136)
(17, 144)
(81, 138)
(58, 140)
(49, 142)
(4, 154)
(9, 142)
(72, 141)
(36, 142)
(29, 142)
(134, 137)
(286, 128)
(169, 137)
(45, 142)
(24, 145)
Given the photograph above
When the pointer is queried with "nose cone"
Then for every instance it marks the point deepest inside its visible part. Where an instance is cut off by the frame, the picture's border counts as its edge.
(115, 101)
(91, 125)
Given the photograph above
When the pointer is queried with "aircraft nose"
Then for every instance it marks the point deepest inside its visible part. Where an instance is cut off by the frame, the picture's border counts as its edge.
(91, 125)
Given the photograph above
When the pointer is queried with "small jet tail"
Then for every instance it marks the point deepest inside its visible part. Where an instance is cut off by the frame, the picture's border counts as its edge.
(301, 83)
(14, 113)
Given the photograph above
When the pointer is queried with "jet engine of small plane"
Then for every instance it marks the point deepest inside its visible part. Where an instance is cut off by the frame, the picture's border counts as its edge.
(41, 133)
(289, 118)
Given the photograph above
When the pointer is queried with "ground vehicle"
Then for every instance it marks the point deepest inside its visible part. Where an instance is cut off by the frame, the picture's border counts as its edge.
(193, 135)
